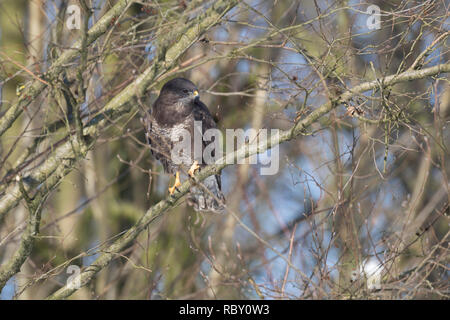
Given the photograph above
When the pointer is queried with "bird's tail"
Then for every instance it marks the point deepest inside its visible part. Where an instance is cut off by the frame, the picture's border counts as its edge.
(210, 200)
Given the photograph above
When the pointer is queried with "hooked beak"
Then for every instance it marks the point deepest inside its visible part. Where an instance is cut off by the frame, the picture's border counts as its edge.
(196, 95)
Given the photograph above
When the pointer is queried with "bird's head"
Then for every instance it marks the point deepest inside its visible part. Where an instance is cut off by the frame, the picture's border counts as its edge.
(180, 89)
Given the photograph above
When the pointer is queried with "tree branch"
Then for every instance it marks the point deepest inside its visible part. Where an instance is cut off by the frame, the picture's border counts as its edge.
(36, 87)
(35, 205)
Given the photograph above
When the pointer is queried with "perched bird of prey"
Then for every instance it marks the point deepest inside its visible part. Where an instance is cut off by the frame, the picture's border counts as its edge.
(176, 108)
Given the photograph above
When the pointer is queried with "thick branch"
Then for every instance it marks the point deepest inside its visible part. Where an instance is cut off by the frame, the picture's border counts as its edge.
(36, 87)
(35, 205)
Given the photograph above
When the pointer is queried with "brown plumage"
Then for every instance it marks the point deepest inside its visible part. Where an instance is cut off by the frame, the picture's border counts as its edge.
(176, 108)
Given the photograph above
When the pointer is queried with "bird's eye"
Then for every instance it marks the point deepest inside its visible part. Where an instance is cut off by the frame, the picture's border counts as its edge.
(185, 91)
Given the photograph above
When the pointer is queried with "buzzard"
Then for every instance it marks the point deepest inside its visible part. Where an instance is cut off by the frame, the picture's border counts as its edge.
(176, 109)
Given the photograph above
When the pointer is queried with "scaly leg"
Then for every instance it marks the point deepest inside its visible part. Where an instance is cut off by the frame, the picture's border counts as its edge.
(193, 168)
(176, 184)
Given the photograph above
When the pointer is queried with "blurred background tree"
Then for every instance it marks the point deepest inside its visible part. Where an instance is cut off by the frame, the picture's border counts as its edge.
(358, 209)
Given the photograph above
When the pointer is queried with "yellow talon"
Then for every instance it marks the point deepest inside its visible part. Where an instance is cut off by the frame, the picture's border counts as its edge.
(176, 184)
(193, 168)
(19, 89)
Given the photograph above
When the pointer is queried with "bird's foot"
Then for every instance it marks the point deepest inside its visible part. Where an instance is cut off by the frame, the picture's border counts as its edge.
(193, 168)
(176, 184)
